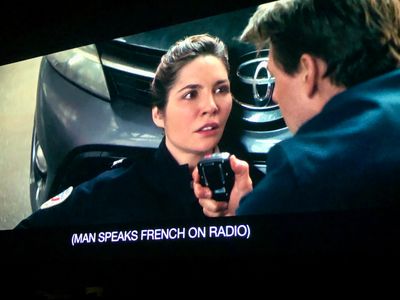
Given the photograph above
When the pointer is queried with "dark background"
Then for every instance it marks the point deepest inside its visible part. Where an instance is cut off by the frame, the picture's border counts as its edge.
(31, 30)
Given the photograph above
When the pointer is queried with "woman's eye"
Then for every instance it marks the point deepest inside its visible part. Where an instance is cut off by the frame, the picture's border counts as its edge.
(190, 95)
(222, 89)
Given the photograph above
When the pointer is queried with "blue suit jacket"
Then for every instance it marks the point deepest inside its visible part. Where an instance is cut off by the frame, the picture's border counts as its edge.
(346, 157)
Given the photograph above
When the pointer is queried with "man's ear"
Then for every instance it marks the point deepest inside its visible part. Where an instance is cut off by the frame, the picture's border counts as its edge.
(310, 74)
(158, 116)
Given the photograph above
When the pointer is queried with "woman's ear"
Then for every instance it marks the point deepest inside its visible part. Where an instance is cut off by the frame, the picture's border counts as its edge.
(158, 116)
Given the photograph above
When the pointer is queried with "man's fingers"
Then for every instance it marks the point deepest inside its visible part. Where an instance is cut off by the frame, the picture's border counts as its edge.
(243, 183)
(213, 206)
(195, 175)
(239, 167)
(213, 214)
(242, 173)
(201, 191)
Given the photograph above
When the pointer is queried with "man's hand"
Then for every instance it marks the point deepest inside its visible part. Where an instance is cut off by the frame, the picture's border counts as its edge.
(242, 186)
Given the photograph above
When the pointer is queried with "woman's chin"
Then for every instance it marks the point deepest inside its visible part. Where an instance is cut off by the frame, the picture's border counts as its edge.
(207, 150)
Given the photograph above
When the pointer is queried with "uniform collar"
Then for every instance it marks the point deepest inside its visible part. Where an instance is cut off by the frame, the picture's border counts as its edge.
(163, 156)
(172, 176)
(165, 160)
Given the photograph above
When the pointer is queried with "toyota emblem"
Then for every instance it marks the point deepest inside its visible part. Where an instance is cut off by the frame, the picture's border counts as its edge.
(253, 72)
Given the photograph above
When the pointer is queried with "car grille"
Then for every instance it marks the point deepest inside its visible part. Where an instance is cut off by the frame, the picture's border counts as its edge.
(129, 70)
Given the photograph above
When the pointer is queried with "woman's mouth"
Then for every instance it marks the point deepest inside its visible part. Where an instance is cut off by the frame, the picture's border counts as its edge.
(208, 128)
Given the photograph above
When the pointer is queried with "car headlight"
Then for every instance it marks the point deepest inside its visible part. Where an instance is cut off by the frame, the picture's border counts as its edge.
(82, 66)
(40, 160)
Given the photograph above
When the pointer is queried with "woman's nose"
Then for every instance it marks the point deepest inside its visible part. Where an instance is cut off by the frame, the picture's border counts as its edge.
(209, 104)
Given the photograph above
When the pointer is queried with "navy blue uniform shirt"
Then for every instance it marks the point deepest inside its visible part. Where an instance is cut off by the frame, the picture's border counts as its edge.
(154, 187)
(151, 189)
(346, 157)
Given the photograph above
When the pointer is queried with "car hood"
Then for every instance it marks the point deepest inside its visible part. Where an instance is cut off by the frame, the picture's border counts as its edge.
(227, 26)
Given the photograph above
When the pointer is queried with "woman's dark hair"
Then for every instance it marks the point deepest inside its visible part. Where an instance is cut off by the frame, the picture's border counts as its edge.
(358, 39)
(180, 54)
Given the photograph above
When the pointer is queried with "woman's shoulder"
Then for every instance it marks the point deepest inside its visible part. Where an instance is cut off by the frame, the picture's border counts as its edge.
(120, 173)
